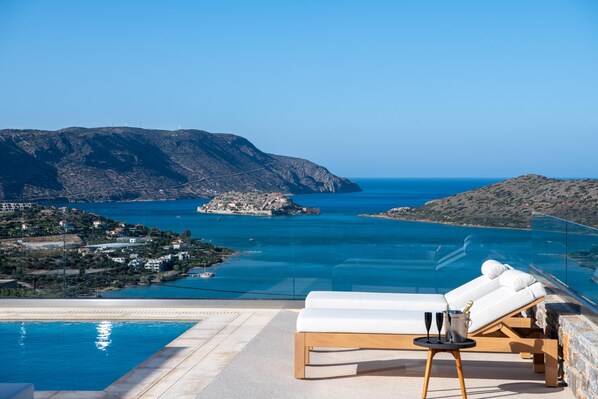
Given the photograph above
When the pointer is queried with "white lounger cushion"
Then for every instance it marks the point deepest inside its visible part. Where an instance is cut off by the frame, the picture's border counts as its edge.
(493, 268)
(375, 301)
(516, 280)
(478, 287)
(472, 290)
(455, 299)
(361, 321)
(501, 302)
(485, 311)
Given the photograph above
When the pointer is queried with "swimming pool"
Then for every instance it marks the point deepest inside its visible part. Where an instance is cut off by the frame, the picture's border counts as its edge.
(79, 355)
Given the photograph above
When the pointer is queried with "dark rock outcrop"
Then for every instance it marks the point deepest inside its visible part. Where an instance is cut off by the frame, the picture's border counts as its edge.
(122, 163)
(510, 203)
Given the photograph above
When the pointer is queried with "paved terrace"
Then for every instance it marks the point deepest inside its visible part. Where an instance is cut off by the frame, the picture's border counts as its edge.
(244, 349)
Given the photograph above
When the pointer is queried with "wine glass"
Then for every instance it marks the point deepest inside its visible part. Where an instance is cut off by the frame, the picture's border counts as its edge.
(428, 320)
(439, 320)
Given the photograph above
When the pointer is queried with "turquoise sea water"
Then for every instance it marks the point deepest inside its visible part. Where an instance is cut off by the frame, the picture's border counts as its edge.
(286, 257)
(79, 356)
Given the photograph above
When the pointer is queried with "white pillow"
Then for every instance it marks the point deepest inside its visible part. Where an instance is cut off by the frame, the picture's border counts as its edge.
(493, 268)
(516, 280)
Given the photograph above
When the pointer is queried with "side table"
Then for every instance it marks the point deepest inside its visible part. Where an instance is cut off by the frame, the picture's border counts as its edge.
(446, 346)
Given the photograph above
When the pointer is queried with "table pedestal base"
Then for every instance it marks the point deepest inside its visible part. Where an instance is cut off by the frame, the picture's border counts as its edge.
(457, 355)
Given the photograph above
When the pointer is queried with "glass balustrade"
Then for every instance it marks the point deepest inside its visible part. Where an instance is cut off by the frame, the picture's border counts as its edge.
(568, 252)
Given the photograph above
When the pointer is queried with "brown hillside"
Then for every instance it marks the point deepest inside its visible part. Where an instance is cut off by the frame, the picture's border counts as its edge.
(510, 203)
(123, 163)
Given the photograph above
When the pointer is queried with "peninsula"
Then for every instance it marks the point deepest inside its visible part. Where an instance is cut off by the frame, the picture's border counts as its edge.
(255, 204)
(42, 249)
(123, 164)
(510, 203)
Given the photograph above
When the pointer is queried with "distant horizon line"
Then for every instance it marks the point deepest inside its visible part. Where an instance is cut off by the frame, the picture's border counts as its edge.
(306, 157)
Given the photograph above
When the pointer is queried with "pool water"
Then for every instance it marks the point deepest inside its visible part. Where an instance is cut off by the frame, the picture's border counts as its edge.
(79, 355)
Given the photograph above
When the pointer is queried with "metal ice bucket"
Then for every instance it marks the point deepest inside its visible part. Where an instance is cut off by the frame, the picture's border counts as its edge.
(457, 323)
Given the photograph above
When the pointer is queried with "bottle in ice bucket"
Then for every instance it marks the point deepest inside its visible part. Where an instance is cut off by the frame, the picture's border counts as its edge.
(467, 308)
(460, 324)
(457, 323)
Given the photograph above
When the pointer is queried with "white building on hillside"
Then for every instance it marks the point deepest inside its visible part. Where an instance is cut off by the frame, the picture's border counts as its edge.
(156, 265)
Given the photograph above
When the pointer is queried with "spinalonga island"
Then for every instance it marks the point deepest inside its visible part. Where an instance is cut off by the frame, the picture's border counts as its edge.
(255, 203)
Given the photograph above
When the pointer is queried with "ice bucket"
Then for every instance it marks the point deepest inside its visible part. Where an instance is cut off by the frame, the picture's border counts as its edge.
(457, 326)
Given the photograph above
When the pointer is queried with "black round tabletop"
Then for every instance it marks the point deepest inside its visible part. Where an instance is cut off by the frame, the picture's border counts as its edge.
(448, 345)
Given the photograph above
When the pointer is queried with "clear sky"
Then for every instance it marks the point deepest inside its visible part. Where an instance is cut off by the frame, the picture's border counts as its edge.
(369, 88)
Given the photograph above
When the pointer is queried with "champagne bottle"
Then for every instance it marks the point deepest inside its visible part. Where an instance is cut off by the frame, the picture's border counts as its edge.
(467, 308)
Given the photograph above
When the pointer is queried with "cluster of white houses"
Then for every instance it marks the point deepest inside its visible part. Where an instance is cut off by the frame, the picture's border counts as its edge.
(133, 260)
(157, 264)
(14, 206)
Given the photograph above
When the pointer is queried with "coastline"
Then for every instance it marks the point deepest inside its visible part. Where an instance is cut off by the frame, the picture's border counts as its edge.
(173, 275)
(477, 226)
(275, 253)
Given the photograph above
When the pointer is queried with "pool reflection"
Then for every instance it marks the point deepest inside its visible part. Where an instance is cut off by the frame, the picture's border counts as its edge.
(104, 330)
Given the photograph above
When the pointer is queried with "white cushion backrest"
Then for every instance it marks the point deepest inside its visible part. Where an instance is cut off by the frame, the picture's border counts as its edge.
(501, 302)
(470, 291)
(516, 280)
(493, 268)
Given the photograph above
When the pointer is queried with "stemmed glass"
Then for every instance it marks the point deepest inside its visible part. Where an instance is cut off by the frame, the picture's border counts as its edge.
(439, 320)
(428, 320)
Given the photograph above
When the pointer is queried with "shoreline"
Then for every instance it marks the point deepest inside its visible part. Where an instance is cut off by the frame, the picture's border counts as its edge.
(173, 277)
(477, 226)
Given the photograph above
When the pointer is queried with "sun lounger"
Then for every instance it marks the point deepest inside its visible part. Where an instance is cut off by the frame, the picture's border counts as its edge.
(455, 299)
(497, 326)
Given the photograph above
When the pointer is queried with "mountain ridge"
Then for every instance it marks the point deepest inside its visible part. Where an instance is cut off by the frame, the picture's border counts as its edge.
(125, 163)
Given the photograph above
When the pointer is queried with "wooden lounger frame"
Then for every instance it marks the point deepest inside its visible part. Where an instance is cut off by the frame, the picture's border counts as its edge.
(511, 334)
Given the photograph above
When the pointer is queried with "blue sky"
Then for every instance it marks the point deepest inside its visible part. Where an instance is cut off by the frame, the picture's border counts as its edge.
(371, 88)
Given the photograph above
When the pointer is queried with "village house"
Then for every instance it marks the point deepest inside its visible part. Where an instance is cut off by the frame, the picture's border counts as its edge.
(136, 264)
(134, 228)
(67, 226)
(154, 264)
(117, 232)
(98, 224)
(85, 251)
(14, 206)
(132, 240)
(30, 229)
(178, 244)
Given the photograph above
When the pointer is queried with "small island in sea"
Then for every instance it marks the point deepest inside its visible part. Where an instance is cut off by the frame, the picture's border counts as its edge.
(255, 203)
(43, 247)
(510, 204)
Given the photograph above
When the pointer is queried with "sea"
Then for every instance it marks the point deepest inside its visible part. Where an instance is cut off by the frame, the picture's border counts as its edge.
(286, 257)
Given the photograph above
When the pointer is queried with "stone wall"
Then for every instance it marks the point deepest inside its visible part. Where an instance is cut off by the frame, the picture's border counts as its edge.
(578, 344)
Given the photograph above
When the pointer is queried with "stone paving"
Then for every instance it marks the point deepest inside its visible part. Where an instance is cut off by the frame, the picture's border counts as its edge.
(184, 367)
(236, 351)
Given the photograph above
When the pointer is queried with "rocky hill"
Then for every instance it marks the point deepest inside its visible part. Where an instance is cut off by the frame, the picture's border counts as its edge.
(255, 204)
(510, 203)
(122, 163)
